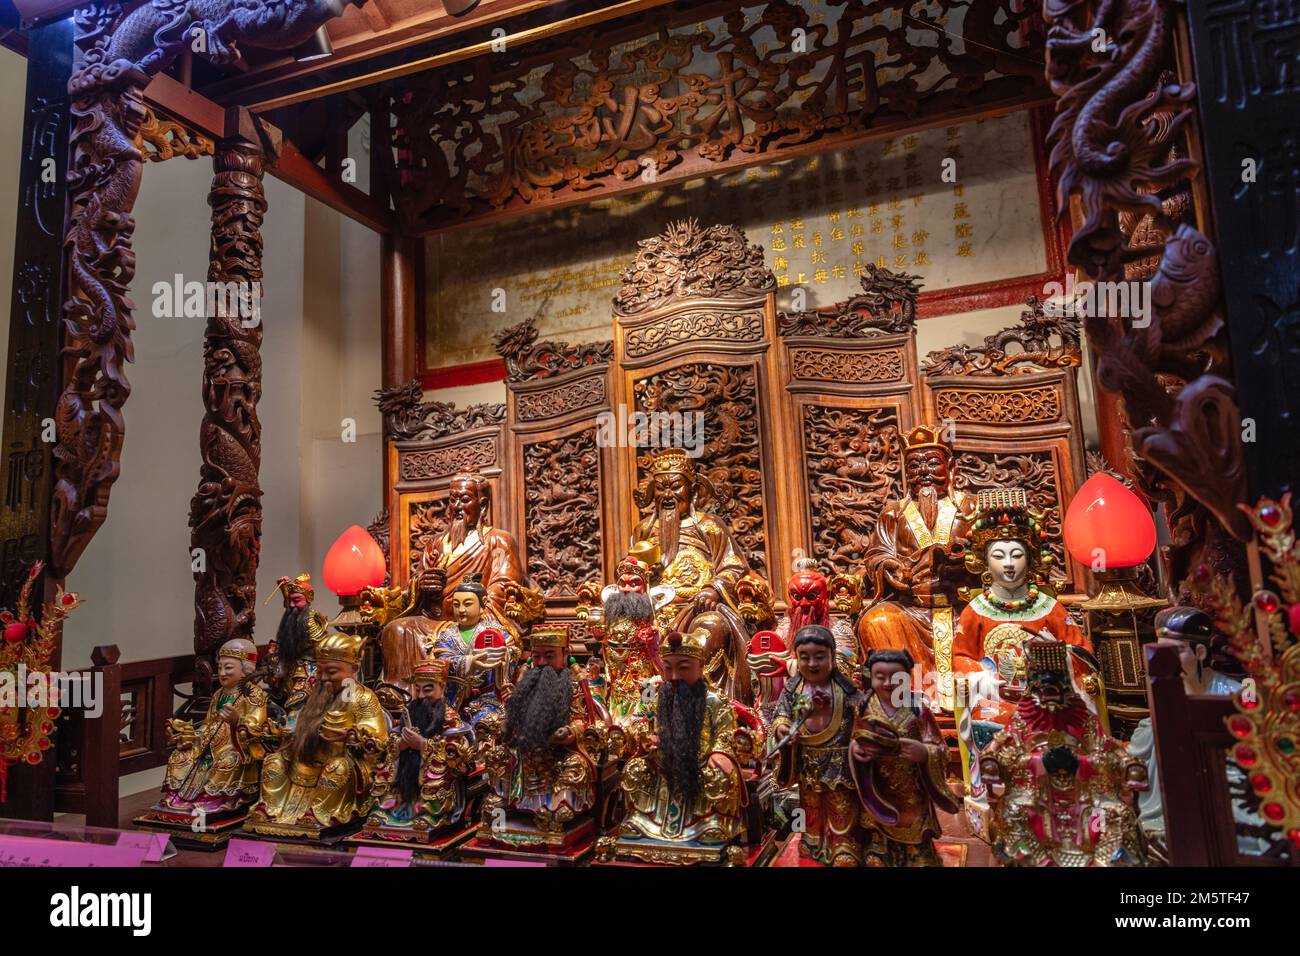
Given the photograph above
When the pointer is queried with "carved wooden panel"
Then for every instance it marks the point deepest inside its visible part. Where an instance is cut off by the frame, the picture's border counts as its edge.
(442, 462)
(977, 406)
(854, 464)
(830, 365)
(692, 326)
(560, 400)
(692, 89)
(561, 478)
(425, 522)
(727, 396)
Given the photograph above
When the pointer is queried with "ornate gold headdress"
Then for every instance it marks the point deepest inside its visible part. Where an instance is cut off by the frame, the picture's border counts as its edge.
(435, 670)
(1045, 655)
(338, 646)
(239, 649)
(549, 635)
(299, 585)
(928, 436)
(641, 560)
(685, 645)
(672, 461)
(1003, 514)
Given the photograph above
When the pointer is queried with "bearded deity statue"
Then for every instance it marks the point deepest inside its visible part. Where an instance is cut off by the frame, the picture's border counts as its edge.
(685, 794)
(291, 661)
(1060, 788)
(541, 752)
(915, 562)
(469, 546)
(419, 790)
(1008, 550)
(317, 784)
(699, 560)
(624, 623)
(213, 770)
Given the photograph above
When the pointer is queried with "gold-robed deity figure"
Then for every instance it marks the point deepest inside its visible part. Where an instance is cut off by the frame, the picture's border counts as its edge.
(419, 790)
(469, 547)
(212, 774)
(916, 561)
(292, 658)
(318, 782)
(1060, 788)
(686, 798)
(541, 752)
(699, 560)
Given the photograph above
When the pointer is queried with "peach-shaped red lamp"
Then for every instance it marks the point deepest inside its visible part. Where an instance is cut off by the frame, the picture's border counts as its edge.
(354, 562)
(1107, 525)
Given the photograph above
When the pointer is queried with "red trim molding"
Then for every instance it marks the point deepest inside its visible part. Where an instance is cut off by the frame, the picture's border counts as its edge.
(471, 373)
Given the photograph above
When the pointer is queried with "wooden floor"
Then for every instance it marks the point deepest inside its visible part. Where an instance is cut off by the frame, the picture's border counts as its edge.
(954, 832)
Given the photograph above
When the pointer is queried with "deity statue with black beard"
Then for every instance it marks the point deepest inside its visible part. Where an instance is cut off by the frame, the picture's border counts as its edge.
(419, 789)
(539, 759)
(916, 561)
(628, 634)
(686, 798)
(292, 663)
(318, 782)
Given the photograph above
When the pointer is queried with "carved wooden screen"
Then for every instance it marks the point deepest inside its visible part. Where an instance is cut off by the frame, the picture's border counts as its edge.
(850, 377)
(428, 443)
(695, 320)
(560, 483)
(1015, 418)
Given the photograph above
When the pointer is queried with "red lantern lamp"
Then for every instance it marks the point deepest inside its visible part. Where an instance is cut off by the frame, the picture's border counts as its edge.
(354, 562)
(1108, 526)
(1109, 529)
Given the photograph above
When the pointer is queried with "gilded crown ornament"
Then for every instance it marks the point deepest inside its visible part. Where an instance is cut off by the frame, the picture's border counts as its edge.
(435, 670)
(685, 645)
(344, 648)
(235, 651)
(1003, 514)
(299, 585)
(673, 461)
(928, 436)
(550, 635)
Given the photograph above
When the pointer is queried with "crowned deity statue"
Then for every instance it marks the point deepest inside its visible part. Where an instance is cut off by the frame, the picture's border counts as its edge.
(811, 733)
(481, 656)
(699, 560)
(213, 770)
(625, 624)
(292, 656)
(541, 751)
(318, 782)
(469, 546)
(1008, 550)
(1060, 788)
(686, 797)
(916, 561)
(899, 762)
(419, 789)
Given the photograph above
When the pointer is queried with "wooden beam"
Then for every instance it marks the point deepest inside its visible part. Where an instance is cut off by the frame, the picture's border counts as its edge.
(302, 174)
(292, 167)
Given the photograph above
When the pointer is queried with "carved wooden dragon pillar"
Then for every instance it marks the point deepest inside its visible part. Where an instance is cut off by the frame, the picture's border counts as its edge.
(1118, 146)
(119, 48)
(226, 511)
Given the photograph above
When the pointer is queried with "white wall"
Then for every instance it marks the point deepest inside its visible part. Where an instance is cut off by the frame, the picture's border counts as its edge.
(13, 81)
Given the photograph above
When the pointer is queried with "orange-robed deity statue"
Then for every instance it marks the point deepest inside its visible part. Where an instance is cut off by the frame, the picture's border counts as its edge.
(699, 560)
(916, 560)
(469, 546)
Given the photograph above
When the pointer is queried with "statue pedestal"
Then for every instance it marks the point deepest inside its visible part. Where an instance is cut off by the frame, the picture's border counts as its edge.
(213, 835)
(518, 838)
(307, 833)
(624, 850)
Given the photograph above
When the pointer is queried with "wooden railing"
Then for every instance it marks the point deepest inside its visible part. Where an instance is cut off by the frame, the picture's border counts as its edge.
(128, 736)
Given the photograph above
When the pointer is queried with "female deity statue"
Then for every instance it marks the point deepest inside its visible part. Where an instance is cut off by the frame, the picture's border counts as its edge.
(212, 774)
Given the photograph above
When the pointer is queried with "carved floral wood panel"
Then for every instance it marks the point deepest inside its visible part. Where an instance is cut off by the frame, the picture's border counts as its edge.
(731, 458)
(426, 521)
(855, 465)
(561, 478)
(683, 90)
